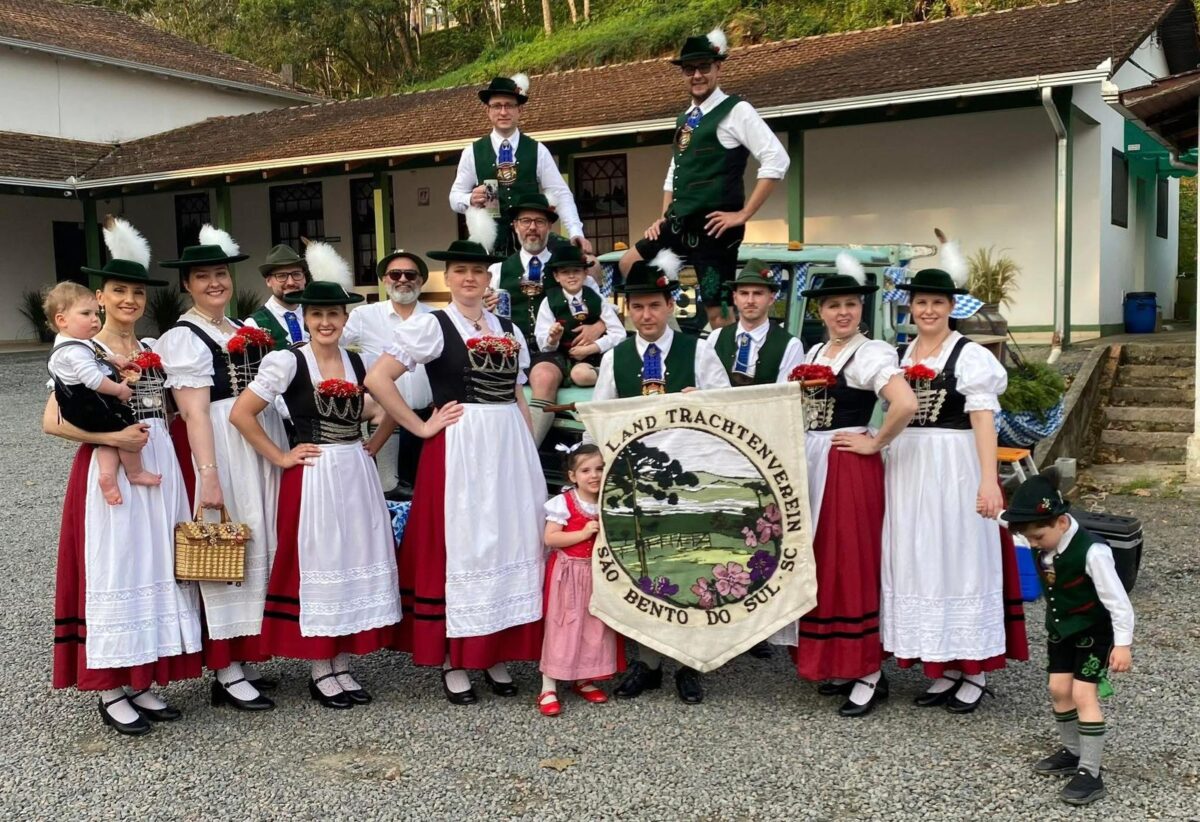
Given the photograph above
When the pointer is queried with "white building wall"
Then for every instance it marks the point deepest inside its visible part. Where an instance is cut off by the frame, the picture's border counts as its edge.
(59, 97)
(28, 262)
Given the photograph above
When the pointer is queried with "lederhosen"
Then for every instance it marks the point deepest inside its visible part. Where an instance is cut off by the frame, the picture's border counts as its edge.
(87, 409)
(770, 354)
(593, 305)
(514, 183)
(1078, 627)
(309, 424)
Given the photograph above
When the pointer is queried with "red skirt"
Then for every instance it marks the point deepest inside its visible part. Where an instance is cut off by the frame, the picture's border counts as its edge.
(1016, 642)
(70, 597)
(281, 619)
(840, 637)
(422, 565)
(218, 653)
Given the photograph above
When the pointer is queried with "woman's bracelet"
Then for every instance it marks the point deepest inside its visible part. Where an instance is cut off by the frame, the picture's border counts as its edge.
(212, 466)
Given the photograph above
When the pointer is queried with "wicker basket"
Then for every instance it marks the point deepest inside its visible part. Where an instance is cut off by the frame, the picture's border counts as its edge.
(211, 551)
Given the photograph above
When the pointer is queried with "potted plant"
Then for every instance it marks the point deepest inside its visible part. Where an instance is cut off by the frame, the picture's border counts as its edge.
(993, 279)
(31, 309)
(1031, 408)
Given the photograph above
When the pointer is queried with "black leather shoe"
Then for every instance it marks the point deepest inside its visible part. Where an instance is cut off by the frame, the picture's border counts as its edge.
(836, 688)
(932, 700)
(403, 492)
(1063, 763)
(264, 683)
(466, 697)
(956, 706)
(762, 650)
(1083, 789)
(880, 691)
(358, 696)
(687, 685)
(640, 677)
(500, 688)
(167, 714)
(339, 701)
(221, 696)
(138, 727)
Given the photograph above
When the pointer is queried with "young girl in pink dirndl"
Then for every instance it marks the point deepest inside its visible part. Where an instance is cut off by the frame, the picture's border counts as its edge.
(577, 647)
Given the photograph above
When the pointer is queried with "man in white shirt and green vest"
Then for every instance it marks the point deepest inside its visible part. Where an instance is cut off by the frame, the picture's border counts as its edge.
(754, 350)
(705, 208)
(284, 272)
(517, 164)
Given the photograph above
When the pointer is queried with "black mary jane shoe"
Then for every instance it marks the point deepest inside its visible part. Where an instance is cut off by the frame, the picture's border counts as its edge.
(879, 692)
(500, 688)
(929, 699)
(167, 714)
(264, 683)
(339, 701)
(358, 696)
(688, 686)
(761, 650)
(221, 696)
(466, 697)
(836, 688)
(139, 727)
(956, 706)
(640, 677)
(1083, 789)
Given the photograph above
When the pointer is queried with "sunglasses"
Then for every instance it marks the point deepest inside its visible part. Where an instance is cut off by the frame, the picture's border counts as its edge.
(402, 274)
(703, 68)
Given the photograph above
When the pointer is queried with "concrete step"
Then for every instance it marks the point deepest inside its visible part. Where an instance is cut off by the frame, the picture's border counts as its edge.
(1142, 418)
(1142, 446)
(1152, 395)
(1150, 354)
(1165, 376)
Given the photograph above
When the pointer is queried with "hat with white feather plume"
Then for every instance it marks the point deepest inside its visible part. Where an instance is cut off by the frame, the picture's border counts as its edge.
(516, 86)
(711, 46)
(128, 255)
(851, 278)
(659, 275)
(949, 280)
(215, 247)
(332, 278)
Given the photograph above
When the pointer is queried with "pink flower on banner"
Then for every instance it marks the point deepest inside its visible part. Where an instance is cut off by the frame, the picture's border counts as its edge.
(732, 579)
(771, 512)
(751, 539)
(767, 531)
(704, 592)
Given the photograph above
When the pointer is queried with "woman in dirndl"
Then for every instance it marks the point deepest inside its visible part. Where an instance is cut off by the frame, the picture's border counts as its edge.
(471, 560)
(121, 622)
(208, 360)
(948, 599)
(839, 638)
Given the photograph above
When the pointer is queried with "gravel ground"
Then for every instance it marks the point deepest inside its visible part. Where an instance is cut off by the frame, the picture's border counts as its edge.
(763, 744)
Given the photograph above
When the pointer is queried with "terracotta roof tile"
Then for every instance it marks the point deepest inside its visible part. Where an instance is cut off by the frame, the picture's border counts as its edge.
(31, 157)
(106, 33)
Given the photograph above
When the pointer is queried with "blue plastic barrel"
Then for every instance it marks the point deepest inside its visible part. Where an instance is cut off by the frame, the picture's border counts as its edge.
(1141, 312)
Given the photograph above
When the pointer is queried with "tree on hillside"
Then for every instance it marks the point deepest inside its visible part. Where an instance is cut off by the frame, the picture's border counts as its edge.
(547, 18)
(649, 471)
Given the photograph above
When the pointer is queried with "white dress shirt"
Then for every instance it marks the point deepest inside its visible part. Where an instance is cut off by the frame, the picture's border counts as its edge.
(709, 371)
(372, 329)
(1102, 569)
(550, 181)
(793, 355)
(614, 329)
(544, 256)
(277, 310)
(76, 365)
(743, 127)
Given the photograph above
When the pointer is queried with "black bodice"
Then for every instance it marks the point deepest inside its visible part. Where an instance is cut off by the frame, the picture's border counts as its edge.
(940, 405)
(841, 406)
(323, 420)
(461, 375)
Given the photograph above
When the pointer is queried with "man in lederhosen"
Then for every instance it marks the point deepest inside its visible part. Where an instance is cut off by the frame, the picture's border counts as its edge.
(705, 208)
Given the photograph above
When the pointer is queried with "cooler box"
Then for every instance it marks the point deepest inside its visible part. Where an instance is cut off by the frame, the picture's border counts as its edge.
(1031, 586)
(1124, 536)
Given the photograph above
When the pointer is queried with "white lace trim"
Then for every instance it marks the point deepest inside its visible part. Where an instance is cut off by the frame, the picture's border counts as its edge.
(982, 402)
(508, 603)
(380, 569)
(512, 569)
(381, 620)
(351, 605)
(127, 594)
(937, 629)
(178, 380)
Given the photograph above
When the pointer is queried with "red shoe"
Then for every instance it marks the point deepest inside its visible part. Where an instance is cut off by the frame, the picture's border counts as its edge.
(549, 707)
(590, 692)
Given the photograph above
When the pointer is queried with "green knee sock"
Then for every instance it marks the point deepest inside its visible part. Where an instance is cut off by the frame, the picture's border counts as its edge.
(1068, 729)
(1091, 746)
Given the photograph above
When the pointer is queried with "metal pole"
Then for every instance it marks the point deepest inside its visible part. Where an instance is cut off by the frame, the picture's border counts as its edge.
(1193, 443)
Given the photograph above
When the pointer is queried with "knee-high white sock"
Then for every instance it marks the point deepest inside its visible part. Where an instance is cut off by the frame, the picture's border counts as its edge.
(329, 686)
(122, 711)
(971, 689)
(456, 678)
(861, 694)
(499, 672)
(549, 684)
(341, 667)
(945, 682)
(146, 699)
(232, 673)
(542, 422)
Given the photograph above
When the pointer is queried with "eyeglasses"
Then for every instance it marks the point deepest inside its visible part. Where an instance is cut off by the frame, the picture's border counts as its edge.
(504, 106)
(398, 274)
(284, 276)
(702, 68)
(531, 222)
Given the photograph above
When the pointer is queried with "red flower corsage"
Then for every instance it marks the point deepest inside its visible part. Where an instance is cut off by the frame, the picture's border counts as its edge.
(339, 389)
(248, 337)
(919, 373)
(504, 346)
(810, 372)
(147, 361)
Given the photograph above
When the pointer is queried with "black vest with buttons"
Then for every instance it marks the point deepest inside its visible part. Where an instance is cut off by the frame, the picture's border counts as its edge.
(952, 408)
(452, 377)
(852, 407)
(226, 382)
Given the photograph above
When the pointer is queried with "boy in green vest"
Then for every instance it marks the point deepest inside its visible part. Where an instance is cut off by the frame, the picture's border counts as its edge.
(656, 360)
(284, 272)
(754, 350)
(1090, 625)
(505, 167)
(705, 209)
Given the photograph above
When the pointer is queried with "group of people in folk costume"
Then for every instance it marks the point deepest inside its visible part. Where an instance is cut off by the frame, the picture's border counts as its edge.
(264, 419)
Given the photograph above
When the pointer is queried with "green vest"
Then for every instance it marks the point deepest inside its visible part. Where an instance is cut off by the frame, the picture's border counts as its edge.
(557, 299)
(526, 183)
(1072, 604)
(766, 370)
(708, 176)
(524, 308)
(680, 366)
(267, 322)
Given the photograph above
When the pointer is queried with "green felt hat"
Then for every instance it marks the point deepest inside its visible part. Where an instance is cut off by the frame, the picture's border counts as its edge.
(851, 278)
(756, 272)
(382, 266)
(1036, 499)
(505, 85)
(464, 251)
(279, 256)
(567, 256)
(657, 276)
(536, 202)
(323, 292)
(711, 46)
(126, 271)
(932, 281)
(199, 255)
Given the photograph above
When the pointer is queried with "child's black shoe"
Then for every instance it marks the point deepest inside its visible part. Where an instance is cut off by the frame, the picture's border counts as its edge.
(1062, 763)
(1083, 789)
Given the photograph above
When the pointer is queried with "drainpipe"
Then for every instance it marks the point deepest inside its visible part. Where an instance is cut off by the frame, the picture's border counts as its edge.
(1060, 216)
(1174, 162)
(1193, 443)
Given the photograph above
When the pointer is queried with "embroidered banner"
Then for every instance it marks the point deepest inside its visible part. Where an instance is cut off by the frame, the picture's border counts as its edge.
(705, 545)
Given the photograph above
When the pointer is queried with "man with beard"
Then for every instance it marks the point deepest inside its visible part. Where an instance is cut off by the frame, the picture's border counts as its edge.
(284, 272)
(371, 329)
(705, 209)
